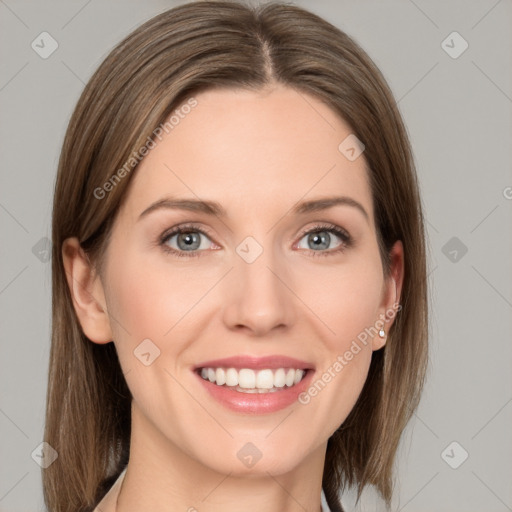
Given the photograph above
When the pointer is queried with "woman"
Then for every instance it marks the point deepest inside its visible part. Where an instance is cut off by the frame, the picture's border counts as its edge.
(239, 277)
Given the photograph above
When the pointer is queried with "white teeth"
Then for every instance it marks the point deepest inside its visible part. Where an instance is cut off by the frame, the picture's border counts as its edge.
(279, 378)
(231, 377)
(220, 376)
(247, 378)
(298, 376)
(265, 379)
(253, 381)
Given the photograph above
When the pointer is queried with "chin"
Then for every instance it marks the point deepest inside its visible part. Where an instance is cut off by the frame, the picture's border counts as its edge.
(254, 458)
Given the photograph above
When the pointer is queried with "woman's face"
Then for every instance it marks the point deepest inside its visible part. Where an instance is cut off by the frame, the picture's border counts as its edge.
(266, 282)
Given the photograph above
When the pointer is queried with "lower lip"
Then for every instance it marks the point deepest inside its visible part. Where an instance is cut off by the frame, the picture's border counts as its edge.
(257, 403)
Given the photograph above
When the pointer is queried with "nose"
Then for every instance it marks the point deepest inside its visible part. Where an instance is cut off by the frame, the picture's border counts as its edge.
(257, 295)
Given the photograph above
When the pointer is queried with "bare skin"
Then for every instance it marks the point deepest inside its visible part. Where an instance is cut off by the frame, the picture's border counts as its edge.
(257, 154)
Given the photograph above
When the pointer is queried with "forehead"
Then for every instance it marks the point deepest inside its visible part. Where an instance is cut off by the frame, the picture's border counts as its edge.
(250, 151)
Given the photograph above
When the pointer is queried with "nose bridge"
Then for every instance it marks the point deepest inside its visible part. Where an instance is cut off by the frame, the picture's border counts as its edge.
(257, 296)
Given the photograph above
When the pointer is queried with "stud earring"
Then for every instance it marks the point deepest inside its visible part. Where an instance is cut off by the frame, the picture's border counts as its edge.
(382, 333)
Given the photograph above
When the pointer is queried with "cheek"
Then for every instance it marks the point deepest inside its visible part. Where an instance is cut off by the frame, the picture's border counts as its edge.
(154, 302)
(147, 306)
(150, 300)
(344, 298)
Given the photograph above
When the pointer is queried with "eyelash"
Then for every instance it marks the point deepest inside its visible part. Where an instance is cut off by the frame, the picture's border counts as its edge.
(346, 239)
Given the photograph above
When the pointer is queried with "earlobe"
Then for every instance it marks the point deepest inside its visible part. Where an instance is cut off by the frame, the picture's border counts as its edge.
(86, 292)
(391, 295)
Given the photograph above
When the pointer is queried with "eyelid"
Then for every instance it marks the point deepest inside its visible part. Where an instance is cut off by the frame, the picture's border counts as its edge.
(176, 230)
(340, 232)
(190, 226)
(347, 241)
(324, 225)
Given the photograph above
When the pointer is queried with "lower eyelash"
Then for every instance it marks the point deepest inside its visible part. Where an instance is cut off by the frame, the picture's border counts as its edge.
(178, 231)
(330, 228)
(346, 240)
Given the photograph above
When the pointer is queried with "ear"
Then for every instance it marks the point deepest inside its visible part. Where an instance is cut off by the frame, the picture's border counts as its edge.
(87, 292)
(391, 294)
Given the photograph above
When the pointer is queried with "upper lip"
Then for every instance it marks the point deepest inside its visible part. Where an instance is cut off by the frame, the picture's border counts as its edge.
(257, 363)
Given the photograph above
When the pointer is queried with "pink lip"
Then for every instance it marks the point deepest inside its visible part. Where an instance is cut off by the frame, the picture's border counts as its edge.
(255, 403)
(257, 363)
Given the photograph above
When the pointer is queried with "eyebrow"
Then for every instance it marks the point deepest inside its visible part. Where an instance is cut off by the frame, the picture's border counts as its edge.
(215, 208)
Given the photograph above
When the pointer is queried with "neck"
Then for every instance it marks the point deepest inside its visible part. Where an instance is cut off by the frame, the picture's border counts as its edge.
(161, 476)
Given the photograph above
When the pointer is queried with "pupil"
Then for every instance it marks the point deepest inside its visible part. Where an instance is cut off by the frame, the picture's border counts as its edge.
(321, 239)
(189, 239)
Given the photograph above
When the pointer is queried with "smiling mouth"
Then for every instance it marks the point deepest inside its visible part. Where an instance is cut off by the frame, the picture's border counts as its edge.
(247, 380)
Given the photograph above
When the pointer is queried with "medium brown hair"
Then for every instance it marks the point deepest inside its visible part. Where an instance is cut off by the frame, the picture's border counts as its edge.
(185, 50)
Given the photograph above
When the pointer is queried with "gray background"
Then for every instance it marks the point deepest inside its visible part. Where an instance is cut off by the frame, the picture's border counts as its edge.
(458, 114)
